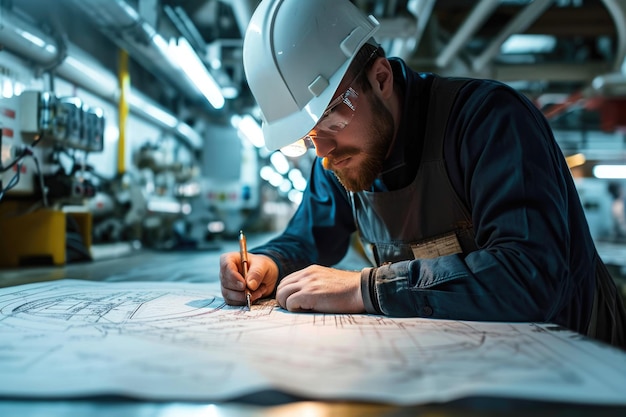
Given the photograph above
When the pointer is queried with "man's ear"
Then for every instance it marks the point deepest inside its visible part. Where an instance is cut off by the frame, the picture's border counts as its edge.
(381, 77)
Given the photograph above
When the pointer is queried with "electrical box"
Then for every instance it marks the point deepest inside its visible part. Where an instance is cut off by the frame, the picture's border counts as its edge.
(20, 176)
(41, 118)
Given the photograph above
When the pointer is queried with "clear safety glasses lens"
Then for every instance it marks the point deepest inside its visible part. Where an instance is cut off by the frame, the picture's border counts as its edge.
(333, 120)
(337, 118)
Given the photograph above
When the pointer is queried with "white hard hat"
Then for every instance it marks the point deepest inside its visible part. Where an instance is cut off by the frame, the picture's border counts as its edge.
(295, 54)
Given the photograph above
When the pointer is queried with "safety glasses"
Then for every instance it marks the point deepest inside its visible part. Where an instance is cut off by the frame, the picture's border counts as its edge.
(334, 119)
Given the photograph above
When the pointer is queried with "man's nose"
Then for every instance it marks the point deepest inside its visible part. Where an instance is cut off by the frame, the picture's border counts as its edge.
(323, 145)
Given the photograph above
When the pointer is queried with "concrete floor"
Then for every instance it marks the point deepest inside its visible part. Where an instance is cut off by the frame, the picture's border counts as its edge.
(122, 263)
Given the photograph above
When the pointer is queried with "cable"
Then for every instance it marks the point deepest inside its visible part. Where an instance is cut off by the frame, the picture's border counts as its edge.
(27, 151)
(44, 190)
(12, 182)
(15, 161)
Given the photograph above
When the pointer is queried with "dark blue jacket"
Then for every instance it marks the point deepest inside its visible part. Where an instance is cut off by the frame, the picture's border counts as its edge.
(536, 259)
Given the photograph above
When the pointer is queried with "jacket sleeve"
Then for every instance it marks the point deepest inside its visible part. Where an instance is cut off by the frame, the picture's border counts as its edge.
(512, 176)
(320, 230)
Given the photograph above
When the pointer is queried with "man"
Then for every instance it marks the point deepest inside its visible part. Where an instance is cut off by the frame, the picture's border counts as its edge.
(457, 189)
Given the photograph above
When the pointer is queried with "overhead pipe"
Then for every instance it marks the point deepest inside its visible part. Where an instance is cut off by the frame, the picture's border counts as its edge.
(422, 10)
(242, 10)
(479, 14)
(80, 68)
(617, 9)
(402, 28)
(29, 40)
(129, 31)
(405, 33)
(614, 83)
(20, 36)
(518, 24)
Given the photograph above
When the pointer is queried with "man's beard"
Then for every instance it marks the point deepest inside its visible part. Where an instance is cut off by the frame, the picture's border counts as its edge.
(375, 147)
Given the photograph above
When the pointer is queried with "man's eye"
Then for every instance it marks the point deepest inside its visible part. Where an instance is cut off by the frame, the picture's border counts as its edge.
(332, 125)
(328, 112)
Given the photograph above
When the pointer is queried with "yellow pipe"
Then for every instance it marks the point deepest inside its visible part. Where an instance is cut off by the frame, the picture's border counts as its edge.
(124, 80)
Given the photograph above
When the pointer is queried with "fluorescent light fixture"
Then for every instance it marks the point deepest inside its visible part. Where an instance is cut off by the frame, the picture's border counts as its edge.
(161, 44)
(526, 44)
(186, 58)
(610, 171)
(250, 129)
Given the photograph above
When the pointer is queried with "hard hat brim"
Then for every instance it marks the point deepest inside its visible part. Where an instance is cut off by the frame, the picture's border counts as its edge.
(285, 131)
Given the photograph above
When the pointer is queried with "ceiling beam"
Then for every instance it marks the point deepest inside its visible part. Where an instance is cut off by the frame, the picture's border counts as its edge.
(556, 72)
(518, 24)
(479, 14)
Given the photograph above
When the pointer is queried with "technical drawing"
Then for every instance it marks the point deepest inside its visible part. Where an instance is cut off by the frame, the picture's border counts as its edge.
(181, 341)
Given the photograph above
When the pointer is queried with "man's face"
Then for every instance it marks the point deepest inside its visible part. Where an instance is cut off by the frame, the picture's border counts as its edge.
(361, 148)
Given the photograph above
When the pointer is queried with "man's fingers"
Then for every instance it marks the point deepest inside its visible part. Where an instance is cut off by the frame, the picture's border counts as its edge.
(231, 280)
(230, 277)
(290, 296)
(233, 297)
(321, 289)
(262, 276)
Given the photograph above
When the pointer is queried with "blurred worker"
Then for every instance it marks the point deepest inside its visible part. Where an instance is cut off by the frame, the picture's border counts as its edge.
(457, 188)
(618, 211)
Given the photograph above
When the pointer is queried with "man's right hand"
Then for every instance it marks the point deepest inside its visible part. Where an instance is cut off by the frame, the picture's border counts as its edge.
(262, 277)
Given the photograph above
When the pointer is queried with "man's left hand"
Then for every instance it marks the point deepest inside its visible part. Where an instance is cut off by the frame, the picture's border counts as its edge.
(321, 289)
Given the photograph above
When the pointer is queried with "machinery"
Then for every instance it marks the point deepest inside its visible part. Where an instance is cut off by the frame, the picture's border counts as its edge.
(42, 185)
(36, 128)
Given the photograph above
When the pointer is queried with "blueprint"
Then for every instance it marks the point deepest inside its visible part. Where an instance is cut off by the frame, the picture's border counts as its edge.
(179, 341)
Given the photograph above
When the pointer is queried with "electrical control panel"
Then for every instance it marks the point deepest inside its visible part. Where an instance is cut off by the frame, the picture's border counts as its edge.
(33, 124)
(16, 174)
(66, 121)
